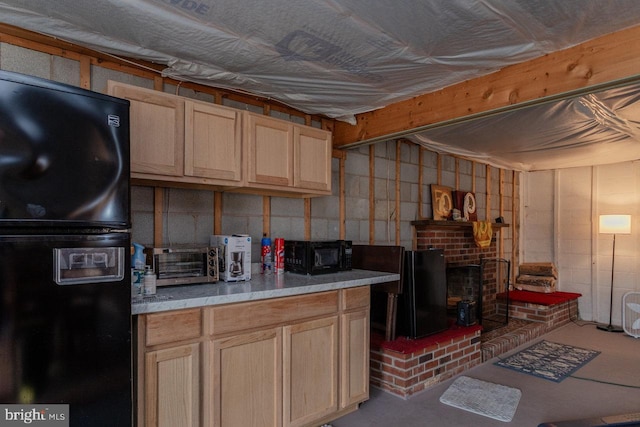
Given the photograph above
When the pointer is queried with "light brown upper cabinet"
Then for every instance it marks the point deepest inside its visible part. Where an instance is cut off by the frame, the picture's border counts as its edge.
(213, 142)
(156, 130)
(282, 155)
(178, 140)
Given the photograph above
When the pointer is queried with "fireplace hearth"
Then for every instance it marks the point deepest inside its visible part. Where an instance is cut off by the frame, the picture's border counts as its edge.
(474, 287)
(491, 273)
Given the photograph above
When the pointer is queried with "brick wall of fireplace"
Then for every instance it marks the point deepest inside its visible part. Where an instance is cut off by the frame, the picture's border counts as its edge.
(460, 249)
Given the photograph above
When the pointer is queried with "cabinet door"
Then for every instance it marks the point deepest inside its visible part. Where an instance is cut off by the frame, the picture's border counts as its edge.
(247, 380)
(213, 142)
(354, 375)
(310, 371)
(312, 158)
(156, 130)
(172, 387)
(269, 151)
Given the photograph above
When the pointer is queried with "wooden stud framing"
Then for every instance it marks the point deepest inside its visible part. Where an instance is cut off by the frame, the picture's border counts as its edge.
(473, 177)
(488, 199)
(266, 215)
(158, 214)
(421, 151)
(217, 212)
(398, 184)
(85, 72)
(515, 226)
(341, 198)
(372, 198)
(501, 208)
(307, 218)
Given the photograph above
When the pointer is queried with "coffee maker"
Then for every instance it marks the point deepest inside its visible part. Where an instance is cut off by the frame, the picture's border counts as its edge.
(236, 268)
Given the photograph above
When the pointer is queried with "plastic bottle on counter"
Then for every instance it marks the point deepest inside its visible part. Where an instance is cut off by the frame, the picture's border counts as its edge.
(267, 266)
(138, 260)
(149, 281)
(137, 283)
(279, 256)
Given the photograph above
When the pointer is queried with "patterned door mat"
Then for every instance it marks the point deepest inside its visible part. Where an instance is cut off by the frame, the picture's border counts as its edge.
(549, 360)
(483, 398)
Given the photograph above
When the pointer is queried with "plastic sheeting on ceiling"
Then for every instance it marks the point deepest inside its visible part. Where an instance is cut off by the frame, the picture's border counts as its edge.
(332, 57)
(597, 128)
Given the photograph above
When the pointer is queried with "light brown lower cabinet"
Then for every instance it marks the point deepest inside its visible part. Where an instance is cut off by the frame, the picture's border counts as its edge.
(173, 386)
(283, 362)
(245, 386)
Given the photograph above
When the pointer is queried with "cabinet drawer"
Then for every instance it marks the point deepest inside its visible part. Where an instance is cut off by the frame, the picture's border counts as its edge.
(277, 311)
(173, 326)
(355, 297)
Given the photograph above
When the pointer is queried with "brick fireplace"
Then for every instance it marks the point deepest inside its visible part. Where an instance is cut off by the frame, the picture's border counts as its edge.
(403, 366)
(461, 250)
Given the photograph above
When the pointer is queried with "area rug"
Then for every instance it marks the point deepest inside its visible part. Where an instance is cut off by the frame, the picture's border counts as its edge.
(549, 360)
(483, 398)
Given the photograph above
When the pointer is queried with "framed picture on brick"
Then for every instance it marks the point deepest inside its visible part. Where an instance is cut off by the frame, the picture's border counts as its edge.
(441, 202)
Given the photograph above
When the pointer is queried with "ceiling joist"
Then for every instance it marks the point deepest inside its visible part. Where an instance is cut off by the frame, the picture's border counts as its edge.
(607, 60)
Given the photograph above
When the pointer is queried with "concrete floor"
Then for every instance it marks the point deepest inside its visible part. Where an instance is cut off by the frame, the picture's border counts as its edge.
(607, 385)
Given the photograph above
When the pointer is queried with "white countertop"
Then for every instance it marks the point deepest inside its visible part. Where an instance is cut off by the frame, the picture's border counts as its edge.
(259, 287)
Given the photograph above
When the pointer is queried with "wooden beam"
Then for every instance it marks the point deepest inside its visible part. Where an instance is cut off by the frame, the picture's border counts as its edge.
(307, 218)
(158, 215)
(421, 152)
(85, 72)
(610, 58)
(398, 184)
(266, 215)
(515, 227)
(488, 194)
(217, 212)
(372, 197)
(342, 197)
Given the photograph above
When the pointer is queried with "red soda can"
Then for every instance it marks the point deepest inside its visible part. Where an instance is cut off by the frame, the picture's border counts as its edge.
(279, 256)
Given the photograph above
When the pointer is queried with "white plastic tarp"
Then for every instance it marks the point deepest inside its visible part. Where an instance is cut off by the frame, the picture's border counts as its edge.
(598, 128)
(334, 57)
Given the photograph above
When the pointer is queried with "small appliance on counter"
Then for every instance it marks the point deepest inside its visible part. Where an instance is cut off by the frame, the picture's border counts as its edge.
(183, 265)
(317, 257)
(234, 256)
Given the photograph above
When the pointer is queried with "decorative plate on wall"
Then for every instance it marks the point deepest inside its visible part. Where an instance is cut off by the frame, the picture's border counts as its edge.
(465, 202)
(469, 207)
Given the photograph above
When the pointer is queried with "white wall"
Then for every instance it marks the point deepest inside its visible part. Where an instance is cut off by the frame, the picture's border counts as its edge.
(561, 210)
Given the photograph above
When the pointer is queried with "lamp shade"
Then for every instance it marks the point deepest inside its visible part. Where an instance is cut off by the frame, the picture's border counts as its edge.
(615, 224)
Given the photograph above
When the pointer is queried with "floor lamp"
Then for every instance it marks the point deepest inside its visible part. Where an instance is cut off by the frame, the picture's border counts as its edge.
(613, 224)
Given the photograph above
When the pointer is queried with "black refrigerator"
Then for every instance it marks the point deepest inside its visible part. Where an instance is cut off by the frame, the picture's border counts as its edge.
(422, 306)
(65, 298)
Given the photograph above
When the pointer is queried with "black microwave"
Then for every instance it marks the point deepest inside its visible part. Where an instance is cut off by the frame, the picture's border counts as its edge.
(317, 257)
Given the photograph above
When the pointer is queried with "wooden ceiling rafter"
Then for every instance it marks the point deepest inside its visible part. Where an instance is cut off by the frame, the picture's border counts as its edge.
(598, 63)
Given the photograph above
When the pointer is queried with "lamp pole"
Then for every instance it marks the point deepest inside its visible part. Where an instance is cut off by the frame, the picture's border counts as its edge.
(610, 327)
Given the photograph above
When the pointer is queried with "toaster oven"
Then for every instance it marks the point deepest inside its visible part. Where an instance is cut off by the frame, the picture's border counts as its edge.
(183, 265)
